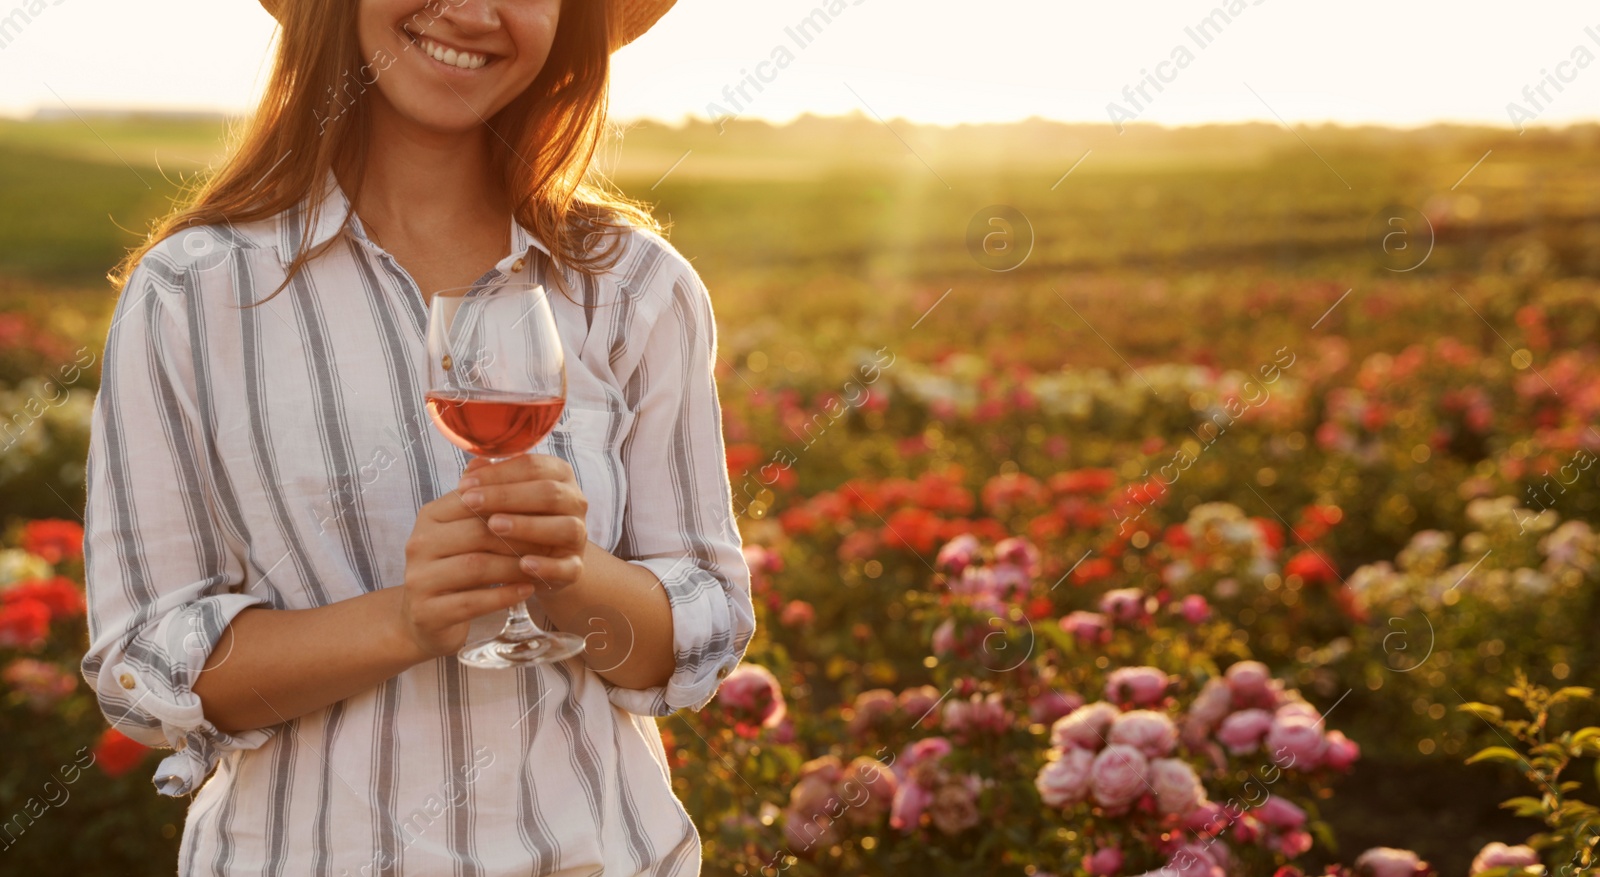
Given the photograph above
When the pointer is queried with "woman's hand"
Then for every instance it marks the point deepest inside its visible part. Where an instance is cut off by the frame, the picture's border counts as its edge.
(451, 560)
(519, 523)
(532, 503)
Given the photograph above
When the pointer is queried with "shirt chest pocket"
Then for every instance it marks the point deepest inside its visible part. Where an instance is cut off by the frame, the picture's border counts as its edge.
(590, 440)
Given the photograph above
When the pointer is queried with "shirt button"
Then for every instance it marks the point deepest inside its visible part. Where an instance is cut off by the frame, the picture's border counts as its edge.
(516, 266)
(127, 681)
(723, 671)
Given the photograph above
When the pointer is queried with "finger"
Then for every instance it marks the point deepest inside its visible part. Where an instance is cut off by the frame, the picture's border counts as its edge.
(477, 569)
(481, 502)
(555, 533)
(553, 572)
(467, 535)
(523, 467)
(526, 497)
(453, 608)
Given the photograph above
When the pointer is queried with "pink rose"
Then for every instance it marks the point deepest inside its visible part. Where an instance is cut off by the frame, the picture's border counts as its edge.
(41, 683)
(752, 696)
(958, 554)
(1298, 708)
(1209, 819)
(1178, 790)
(814, 788)
(1242, 731)
(976, 716)
(802, 831)
(871, 708)
(1291, 843)
(1148, 731)
(918, 702)
(1195, 860)
(1084, 727)
(944, 637)
(1124, 605)
(807, 820)
(1295, 742)
(1195, 609)
(1104, 862)
(910, 800)
(1088, 628)
(867, 788)
(1141, 686)
(1498, 855)
(1280, 813)
(1052, 705)
(1212, 704)
(763, 559)
(798, 613)
(1389, 862)
(975, 580)
(1007, 579)
(1117, 778)
(954, 807)
(1247, 830)
(1248, 681)
(928, 749)
(1017, 552)
(1065, 780)
(1342, 752)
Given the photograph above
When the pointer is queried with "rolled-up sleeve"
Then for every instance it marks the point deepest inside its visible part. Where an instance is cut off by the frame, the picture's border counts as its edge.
(678, 521)
(162, 578)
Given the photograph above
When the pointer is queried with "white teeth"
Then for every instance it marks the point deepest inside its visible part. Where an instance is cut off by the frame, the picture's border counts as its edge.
(452, 57)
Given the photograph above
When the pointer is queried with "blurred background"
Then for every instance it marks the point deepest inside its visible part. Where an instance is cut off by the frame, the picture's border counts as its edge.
(1234, 365)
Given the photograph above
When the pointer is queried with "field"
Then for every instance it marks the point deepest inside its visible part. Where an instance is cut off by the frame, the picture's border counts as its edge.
(1229, 442)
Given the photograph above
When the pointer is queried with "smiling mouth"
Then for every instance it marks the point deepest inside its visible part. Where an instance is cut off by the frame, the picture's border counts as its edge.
(449, 56)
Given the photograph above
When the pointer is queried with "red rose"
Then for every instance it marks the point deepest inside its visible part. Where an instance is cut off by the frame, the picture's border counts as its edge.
(1093, 482)
(1092, 571)
(53, 540)
(117, 754)
(23, 623)
(59, 595)
(1311, 567)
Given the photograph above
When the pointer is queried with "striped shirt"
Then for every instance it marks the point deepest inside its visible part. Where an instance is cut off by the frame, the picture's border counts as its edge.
(277, 456)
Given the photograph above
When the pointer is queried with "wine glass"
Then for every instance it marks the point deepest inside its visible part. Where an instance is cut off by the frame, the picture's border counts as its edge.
(497, 382)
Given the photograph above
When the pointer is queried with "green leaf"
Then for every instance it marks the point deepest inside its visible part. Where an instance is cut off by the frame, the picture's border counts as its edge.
(1324, 835)
(1585, 741)
(1491, 714)
(1572, 692)
(1497, 753)
(1524, 806)
(1548, 750)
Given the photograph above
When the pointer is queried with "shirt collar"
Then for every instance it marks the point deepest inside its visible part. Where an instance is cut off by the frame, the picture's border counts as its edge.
(336, 216)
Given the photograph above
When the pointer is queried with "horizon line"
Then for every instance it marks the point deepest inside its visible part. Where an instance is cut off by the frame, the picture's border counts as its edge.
(45, 113)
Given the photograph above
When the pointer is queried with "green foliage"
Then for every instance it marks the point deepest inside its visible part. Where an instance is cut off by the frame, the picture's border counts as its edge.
(1542, 753)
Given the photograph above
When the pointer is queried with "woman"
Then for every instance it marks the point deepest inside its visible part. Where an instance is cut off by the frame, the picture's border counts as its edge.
(281, 564)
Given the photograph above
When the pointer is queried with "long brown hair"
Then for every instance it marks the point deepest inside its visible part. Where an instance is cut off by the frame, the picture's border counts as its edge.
(311, 120)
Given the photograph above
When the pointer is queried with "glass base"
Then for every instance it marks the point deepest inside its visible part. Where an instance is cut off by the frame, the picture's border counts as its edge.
(499, 653)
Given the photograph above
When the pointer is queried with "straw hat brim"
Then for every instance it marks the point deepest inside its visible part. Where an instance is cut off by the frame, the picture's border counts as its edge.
(629, 18)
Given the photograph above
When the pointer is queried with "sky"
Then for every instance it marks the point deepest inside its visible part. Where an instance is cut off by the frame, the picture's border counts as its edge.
(935, 61)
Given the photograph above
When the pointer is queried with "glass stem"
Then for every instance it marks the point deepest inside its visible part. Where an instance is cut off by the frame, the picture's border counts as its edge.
(519, 625)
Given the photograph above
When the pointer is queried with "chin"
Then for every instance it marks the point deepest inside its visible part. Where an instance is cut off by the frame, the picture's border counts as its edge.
(443, 119)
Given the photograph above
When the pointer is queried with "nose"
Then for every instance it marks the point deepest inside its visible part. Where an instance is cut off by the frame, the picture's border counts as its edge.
(471, 17)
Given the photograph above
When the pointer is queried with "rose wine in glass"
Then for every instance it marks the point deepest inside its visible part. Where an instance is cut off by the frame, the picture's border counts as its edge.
(495, 425)
(497, 385)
